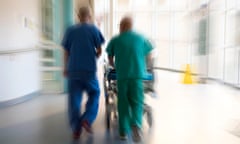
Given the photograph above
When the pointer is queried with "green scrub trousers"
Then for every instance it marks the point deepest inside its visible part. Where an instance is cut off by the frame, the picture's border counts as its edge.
(129, 50)
(130, 104)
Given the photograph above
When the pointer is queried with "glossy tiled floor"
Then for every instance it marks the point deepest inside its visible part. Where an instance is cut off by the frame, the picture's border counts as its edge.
(184, 114)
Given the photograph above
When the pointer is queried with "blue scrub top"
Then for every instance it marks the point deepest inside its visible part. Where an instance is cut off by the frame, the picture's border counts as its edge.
(81, 41)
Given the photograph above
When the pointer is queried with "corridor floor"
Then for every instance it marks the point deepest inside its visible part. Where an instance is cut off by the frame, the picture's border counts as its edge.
(183, 114)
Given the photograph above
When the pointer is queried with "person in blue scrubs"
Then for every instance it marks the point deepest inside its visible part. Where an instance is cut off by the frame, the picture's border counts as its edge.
(82, 46)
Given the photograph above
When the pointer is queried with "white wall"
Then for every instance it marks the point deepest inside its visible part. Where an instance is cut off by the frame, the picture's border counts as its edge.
(19, 75)
(13, 33)
(20, 24)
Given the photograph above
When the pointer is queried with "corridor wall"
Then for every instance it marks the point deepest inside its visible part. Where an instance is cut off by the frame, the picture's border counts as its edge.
(19, 57)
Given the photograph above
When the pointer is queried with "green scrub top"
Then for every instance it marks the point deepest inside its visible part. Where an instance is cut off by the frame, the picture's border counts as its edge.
(130, 50)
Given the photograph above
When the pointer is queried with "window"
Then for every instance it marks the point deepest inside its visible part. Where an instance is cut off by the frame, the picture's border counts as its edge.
(216, 30)
(143, 23)
(218, 5)
(162, 28)
(179, 28)
(231, 65)
(47, 19)
(162, 5)
(180, 5)
(231, 29)
(123, 5)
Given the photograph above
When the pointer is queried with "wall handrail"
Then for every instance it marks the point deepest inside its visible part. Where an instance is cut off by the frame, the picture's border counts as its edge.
(42, 45)
(16, 51)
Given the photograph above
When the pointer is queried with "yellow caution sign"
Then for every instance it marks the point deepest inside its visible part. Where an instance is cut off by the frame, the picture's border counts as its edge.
(188, 75)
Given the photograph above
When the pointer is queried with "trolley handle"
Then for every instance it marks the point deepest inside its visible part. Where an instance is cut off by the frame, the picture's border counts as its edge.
(111, 74)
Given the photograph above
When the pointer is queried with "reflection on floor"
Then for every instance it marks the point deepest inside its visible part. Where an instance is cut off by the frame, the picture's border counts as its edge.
(183, 114)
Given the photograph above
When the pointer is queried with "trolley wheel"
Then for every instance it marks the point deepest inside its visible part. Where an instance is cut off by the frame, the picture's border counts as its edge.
(149, 115)
(108, 113)
(108, 119)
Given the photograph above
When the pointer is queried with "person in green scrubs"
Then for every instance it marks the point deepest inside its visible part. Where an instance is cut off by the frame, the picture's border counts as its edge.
(127, 52)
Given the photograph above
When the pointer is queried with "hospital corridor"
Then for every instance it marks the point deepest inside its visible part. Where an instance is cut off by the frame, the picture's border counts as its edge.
(191, 97)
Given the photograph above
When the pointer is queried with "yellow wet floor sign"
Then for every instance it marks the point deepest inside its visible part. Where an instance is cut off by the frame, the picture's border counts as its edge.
(188, 75)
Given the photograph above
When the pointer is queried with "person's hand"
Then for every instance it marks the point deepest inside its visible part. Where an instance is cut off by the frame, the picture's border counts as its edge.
(98, 55)
(65, 73)
(99, 52)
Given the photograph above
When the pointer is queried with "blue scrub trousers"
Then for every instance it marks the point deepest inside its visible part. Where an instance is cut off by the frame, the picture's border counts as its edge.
(76, 87)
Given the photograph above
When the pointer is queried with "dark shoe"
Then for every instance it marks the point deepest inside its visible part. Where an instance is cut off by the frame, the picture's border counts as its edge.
(123, 137)
(76, 135)
(87, 126)
(136, 134)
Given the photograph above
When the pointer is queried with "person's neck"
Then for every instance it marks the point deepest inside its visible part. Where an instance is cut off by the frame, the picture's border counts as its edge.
(126, 31)
(84, 21)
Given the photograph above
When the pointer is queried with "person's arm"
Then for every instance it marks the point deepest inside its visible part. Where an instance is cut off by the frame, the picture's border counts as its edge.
(148, 54)
(111, 61)
(66, 48)
(110, 52)
(99, 52)
(98, 41)
(65, 61)
(149, 60)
